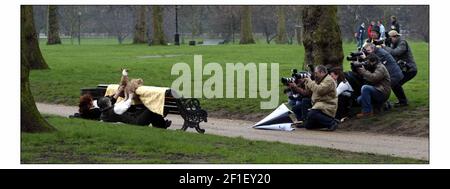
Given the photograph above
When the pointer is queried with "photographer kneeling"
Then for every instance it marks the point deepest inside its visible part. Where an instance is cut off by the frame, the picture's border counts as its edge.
(300, 99)
(324, 100)
(379, 88)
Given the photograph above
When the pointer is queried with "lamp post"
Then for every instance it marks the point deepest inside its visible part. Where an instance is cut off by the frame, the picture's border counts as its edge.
(79, 27)
(177, 36)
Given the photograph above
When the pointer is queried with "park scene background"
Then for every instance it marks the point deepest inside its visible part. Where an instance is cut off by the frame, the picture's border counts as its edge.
(96, 41)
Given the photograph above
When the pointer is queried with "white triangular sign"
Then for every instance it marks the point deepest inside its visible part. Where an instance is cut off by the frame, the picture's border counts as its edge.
(278, 116)
(279, 127)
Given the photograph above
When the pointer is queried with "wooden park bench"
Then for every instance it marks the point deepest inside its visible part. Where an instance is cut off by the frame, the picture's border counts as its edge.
(188, 108)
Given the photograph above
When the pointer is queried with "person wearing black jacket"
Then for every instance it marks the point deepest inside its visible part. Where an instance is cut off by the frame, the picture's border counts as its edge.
(401, 51)
(394, 24)
(118, 112)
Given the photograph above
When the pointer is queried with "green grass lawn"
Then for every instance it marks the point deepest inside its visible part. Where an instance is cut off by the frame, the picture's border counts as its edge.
(99, 61)
(84, 141)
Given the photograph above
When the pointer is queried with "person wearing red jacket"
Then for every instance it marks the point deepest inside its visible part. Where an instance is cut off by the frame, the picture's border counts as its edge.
(369, 29)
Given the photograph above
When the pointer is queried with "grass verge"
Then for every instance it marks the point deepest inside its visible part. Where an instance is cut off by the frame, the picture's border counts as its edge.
(82, 141)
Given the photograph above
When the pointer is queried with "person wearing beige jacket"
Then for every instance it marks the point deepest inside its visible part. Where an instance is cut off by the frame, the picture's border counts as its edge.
(324, 100)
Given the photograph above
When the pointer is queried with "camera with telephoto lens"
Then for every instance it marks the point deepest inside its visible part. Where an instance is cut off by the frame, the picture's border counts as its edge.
(355, 56)
(292, 94)
(356, 60)
(295, 75)
(356, 65)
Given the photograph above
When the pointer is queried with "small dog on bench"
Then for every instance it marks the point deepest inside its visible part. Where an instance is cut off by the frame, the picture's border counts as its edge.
(126, 86)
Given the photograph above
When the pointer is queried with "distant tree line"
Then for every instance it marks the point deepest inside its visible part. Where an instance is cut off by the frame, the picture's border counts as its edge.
(234, 24)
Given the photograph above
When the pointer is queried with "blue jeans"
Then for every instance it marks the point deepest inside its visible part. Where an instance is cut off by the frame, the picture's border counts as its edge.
(317, 119)
(370, 96)
(301, 108)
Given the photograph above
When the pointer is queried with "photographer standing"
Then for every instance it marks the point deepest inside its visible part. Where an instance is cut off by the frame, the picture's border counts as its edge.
(382, 30)
(360, 35)
(400, 50)
(394, 24)
(378, 89)
(324, 100)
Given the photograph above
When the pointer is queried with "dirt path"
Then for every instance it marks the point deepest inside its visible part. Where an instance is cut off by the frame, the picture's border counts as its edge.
(400, 146)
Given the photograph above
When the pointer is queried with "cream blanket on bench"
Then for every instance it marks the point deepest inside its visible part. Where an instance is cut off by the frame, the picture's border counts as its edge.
(152, 97)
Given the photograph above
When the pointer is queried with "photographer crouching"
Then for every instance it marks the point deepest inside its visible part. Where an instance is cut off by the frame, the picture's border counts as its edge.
(395, 73)
(324, 100)
(298, 96)
(401, 52)
(378, 88)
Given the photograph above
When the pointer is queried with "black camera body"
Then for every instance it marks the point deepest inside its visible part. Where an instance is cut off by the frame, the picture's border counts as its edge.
(292, 94)
(287, 80)
(355, 56)
(356, 60)
(295, 75)
(356, 65)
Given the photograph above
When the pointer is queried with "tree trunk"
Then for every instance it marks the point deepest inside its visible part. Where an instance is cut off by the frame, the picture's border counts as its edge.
(322, 36)
(246, 26)
(298, 29)
(53, 26)
(30, 118)
(140, 29)
(158, 32)
(281, 27)
(36, 60)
